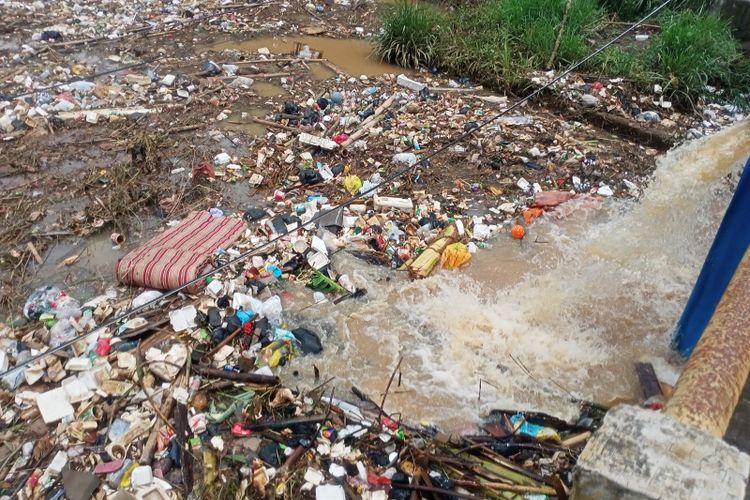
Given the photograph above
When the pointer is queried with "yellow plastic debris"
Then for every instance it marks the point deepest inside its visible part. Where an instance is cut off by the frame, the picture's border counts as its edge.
(275, 358)
(352, 183)
(455, 255)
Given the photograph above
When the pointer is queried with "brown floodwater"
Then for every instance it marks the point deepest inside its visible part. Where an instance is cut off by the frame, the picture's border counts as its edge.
(564, 315)
(267, 88)
(320, 71)
(561, 316)
(241, 120)
(351, 55)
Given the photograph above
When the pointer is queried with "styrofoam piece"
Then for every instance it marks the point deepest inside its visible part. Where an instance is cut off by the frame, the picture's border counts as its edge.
(54, 405)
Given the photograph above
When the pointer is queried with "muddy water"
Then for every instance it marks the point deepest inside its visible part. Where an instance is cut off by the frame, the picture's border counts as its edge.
(564, 315)
(267, 89)
(351, 55)
(241, 120)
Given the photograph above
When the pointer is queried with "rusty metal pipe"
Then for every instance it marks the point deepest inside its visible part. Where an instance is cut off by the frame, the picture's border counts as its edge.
(709, 388)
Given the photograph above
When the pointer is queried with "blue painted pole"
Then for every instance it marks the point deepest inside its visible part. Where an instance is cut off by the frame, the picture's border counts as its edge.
(730, 244)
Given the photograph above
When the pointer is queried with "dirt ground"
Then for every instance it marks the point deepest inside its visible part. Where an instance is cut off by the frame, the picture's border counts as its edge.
(67, 184)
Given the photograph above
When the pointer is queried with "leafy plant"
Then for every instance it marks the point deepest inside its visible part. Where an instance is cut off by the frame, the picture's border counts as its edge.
(618, 62)
(536, 23)
(322, 283)
(637, 9)
(409, 35)
(694, 50)
(500, 42)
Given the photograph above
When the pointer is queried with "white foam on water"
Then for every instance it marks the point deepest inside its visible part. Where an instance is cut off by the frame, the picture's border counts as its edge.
(562, 316)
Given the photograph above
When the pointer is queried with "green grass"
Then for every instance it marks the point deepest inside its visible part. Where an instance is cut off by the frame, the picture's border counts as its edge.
(410, 34)
(536, 23)
(499, 42)
(635, 10)
(616, 62)
(738, 87)
(491, 57)
(694, 50)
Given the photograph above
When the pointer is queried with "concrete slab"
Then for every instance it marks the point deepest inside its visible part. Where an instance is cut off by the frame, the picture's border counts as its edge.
(643, 454)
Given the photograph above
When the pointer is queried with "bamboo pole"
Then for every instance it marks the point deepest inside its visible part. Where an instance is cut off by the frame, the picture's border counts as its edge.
(709, 388)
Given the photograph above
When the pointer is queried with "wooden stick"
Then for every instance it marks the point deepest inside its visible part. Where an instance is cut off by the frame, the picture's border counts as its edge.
(459, 89)
(623, 23)
(257, 75)
(278, 125)
(185, 128)
(37, 257)
(432, 489)
(182, 433)
(333, 67)
(516, 488)
(292, 459)
(553, 56)
(577, 439)
(221, 344)
(268, 61)
(387, 388)
(147, 455)
(369, 121)
(252, 378)
(282, 424)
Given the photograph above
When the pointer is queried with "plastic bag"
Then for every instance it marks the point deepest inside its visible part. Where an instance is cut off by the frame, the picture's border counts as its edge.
(455, 255)
(352, 183)
(146, 297)
(272, 310)
(61, 332)
(50, 299)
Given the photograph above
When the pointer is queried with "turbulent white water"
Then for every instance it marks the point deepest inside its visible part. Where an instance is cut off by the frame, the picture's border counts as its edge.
(565, 313)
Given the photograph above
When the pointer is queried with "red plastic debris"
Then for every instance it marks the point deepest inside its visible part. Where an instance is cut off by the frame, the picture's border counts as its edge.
(375, 479)
(239, 430)
(204, 169)
(390, 423)
(341, 138)
(103, 346)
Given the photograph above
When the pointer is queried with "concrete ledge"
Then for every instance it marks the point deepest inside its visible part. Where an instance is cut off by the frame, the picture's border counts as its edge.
(639, 454)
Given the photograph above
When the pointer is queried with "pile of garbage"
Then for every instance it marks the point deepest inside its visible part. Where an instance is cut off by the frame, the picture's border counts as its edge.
(181, 399)
(651, 110)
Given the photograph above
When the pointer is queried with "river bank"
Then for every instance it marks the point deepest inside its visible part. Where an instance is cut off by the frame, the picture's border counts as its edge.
(218, 125)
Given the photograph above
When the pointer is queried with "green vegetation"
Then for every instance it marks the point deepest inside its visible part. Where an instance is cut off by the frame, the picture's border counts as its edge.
(636, 9)
(410, 34)
(498, 42)
(535, 24)
(694, 50)
(617, 62)
(489, 56)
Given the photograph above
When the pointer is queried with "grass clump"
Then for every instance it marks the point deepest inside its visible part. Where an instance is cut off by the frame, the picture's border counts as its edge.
(489, 57)
(694, 50)
(634, 10)
(410, 34)
(500, 41)
(535, 25)
(738, 89)
(617, 62)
